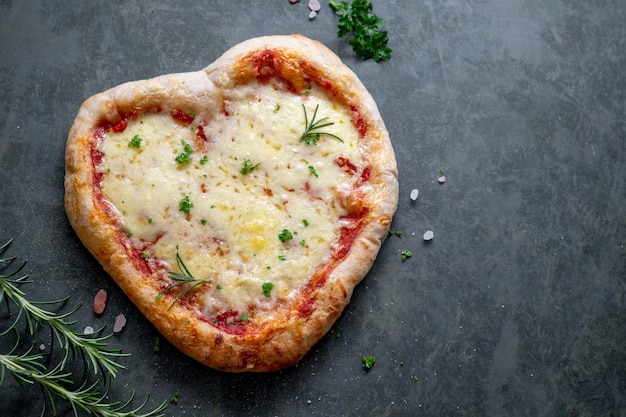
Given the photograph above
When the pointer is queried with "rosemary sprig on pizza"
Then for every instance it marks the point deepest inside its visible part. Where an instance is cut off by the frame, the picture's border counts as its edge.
(244, 250)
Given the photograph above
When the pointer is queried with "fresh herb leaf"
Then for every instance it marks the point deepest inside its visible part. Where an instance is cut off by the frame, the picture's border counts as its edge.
(247, 166)
(313, 171)
(285, 235)
(395, 232)
(184, 277)
(406, 254)
(174, 398)
(369, 35)
(267, 289)
(185, 155)
(312, 133)
(185, 204)
(156, 346)
(135, 142)
(368, 361)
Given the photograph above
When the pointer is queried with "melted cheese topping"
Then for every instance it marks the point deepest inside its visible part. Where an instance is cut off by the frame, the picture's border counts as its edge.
(230, 234)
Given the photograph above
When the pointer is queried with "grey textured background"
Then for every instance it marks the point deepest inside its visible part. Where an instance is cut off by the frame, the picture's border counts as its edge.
(516, 308)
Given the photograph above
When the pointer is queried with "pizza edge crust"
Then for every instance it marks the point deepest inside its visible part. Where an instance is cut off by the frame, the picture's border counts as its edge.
(289, 337)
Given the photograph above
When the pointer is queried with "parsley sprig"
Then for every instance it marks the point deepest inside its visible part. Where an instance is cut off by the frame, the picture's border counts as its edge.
(56, 381)
(312, 128)
(370, 37)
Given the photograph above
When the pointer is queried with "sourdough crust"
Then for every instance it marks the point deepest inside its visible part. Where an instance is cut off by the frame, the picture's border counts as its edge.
(282, 339)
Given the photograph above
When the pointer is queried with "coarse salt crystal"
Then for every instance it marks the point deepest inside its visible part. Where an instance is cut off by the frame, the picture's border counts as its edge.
(120, 322)
(442, 179)
(312, 14)
(88, 330)
(414, 193)
(100, 302)
(429, 235)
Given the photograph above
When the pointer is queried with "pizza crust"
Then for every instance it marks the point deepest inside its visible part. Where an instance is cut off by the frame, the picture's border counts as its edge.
(280, 338)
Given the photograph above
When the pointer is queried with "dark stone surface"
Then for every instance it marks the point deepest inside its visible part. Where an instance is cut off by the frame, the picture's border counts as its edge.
(516, 308)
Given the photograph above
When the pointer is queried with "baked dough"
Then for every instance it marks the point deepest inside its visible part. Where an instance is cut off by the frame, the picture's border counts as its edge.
(248, 109)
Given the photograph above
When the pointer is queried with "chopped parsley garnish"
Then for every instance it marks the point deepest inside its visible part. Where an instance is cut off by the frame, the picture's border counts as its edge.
(281, 257)
(441, 171)
(204, 160)
(247, 166)
(305, 222)
(370, 37)
(285, 235)
(135, 142)
(302, 243)
(218, 287)
(395, 232)
(156, 346)
(337, 334)
(185, 204)
(174, 398)
(185, 155)
(414, 377)
(267, 289)
(243, 317)
(203, 222)
(313, 171)
(368, 361)
(276, 108)
(406, 254)
(312, 134)
(144, 256)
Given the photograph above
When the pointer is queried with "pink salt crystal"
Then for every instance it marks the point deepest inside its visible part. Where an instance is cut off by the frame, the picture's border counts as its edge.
(442, 179)
(314, 5)
(100, 302)
(312, 14)
(120, 322)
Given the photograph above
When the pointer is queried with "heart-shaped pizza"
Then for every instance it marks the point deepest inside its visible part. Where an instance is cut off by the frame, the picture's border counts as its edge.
(237, 206)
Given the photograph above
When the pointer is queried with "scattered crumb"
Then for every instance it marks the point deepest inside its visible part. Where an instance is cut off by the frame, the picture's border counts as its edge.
(120, 322)
(100, 302)
(442, 179)
(293, 1)
(88, 330)
(429, 235)
(414, 193)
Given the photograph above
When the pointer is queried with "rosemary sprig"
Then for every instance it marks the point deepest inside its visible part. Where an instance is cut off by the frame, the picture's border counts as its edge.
(91, 348)
(29, 368)
(312, 131)
(182, 278)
